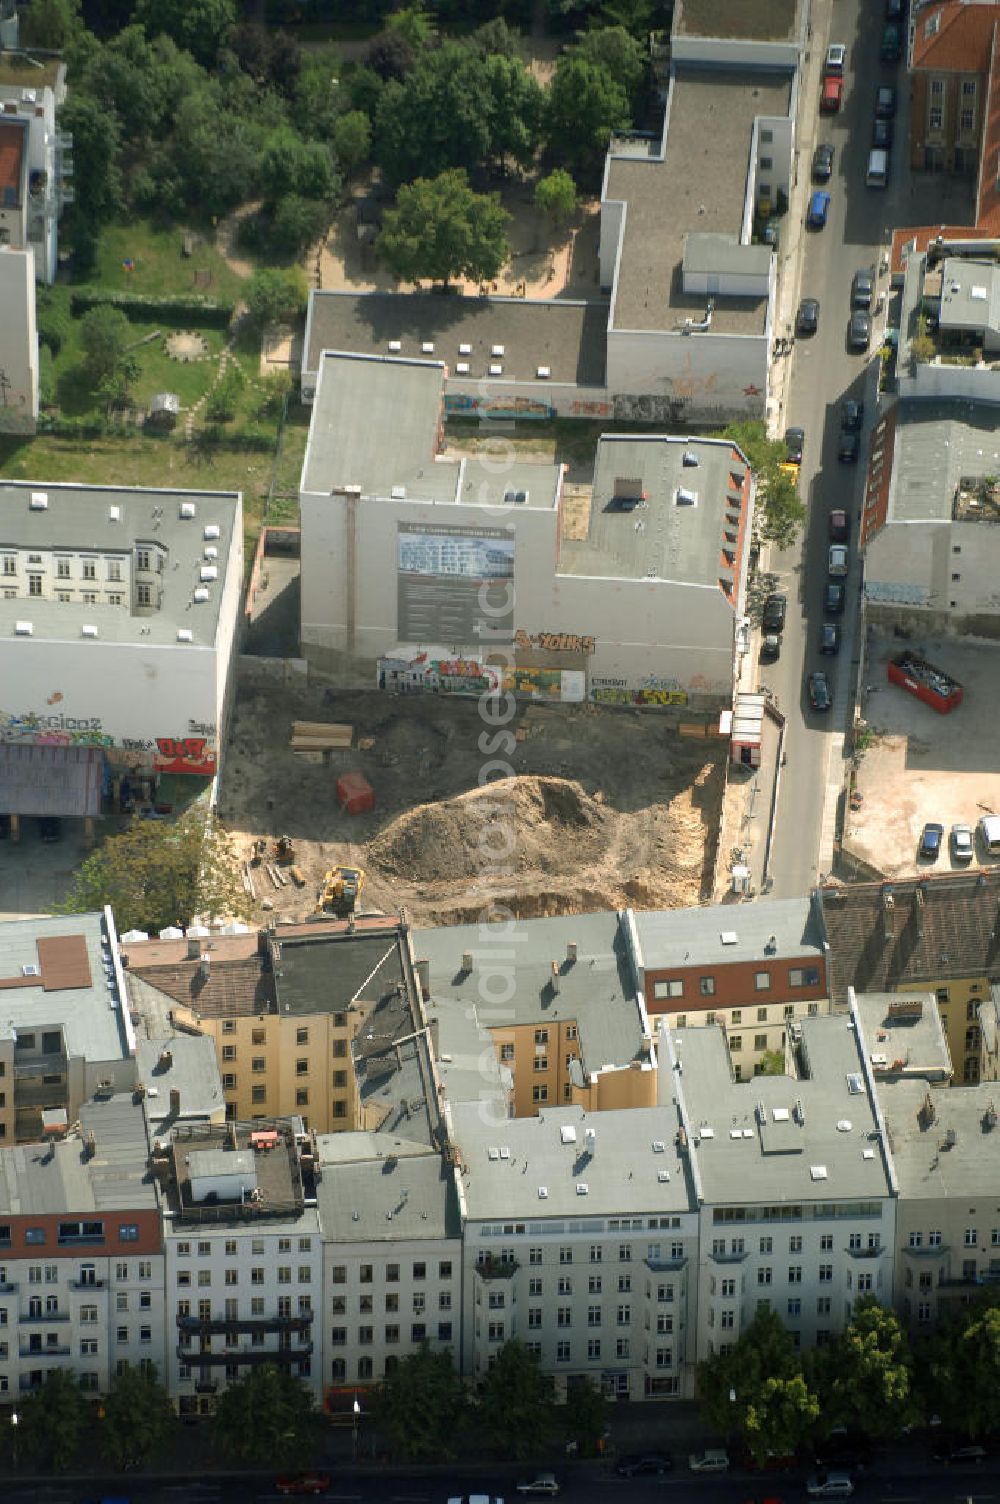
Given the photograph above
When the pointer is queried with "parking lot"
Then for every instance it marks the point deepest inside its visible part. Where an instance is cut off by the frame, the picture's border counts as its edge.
(921, 765)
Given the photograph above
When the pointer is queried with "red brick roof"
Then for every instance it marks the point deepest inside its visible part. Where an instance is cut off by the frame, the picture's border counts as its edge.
(961, 40)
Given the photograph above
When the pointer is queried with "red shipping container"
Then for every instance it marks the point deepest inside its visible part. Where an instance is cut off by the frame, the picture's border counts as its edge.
(355, 794)
(927, 683)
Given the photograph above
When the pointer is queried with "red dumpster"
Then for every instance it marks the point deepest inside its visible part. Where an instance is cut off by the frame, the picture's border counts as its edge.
(355, 794)
(929, 684)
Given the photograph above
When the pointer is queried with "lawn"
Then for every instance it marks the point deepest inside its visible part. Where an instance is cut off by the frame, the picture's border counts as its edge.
(159, 265)
(75, 397)
(168, 462)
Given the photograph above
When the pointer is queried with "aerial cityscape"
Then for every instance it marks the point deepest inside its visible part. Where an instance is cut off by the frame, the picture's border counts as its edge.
(499, 788)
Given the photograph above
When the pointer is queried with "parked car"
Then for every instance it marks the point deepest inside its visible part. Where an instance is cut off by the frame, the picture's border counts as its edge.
(807, 318)
(774, 612)
(962, 844)
(822, 164)
(829, 1485)
(844, 1450)
(302, 1483)
(931, 840)
(829, 637)
(885, 102)
(957, 1451)
(832, 95)
(839, 528)
(989, 834)
(862, 287)
(836, 58)
(50, 828)
(892, 43)
(819, 691)
(542, 1485)
(859, 330)
(852, 416)
(882, 133)
(643, 1464)
(836, 563)
(848, 448)
(834, 598)
(770, 647)
(712, 1460)
(819, 207)
(795, 439)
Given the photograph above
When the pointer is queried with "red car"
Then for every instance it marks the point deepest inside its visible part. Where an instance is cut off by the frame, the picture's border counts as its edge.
(303, 1483)
(832, 96)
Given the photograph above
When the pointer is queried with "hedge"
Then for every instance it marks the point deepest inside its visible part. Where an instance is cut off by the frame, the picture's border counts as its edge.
(182, 308)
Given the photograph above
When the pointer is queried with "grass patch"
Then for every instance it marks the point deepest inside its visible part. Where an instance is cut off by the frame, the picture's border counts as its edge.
(75, 397)
(166, 462)
(159, 265)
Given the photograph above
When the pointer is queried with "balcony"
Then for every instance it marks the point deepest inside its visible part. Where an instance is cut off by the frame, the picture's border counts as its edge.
(865, 1253)
(732, 1257)
(247, 1324)
(934, 1252)
(490, 1268)
(244, 1355)
(63, 1351)
(43, 1318)
(665, 1262)
(8, 1289)
(86, 1284)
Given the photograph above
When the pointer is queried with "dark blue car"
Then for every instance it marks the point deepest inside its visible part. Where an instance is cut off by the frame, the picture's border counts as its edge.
(819, 205)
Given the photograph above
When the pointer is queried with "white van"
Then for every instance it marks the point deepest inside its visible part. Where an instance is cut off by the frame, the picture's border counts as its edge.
(989, 834)
(877, 175)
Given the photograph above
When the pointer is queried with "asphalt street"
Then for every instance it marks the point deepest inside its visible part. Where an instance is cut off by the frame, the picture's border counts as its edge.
(824, 371)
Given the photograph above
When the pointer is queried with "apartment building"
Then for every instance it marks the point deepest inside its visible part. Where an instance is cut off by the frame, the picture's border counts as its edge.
(243, 1260)
(758, 971)
(950, 61)
(81, 1260)
(795, 1187)
(36, 160)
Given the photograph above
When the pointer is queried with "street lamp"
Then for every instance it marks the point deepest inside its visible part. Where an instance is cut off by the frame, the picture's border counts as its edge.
(354, 1429)
(15, 1421)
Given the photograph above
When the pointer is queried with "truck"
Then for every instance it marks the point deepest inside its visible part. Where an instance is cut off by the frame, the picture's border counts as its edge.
(929, 684)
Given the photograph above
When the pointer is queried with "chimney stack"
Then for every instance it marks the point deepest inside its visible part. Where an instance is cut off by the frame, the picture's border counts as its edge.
(571, 951)
(554, 979)
(467, 962)
(422, 968)
(193, 947)
(175, 1102)
(205, 966)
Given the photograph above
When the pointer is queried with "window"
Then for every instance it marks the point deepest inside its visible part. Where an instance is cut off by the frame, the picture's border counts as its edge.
(807, 976)
(9, 564)
(736, 1042)
(88, 1315)
(444, 1300)
(565, 1254)
(825, 1273)
(594, 1347)
(229, 1052)
(762, 982)
(794, 1245)
(595, 1284)
(764, 1275)
(506, 1052)
(727, 1320)
(562, 1352)
(62, 569)
(624, 1253)
(760, 1041)
(89, 569)
(854, 1242)
(258, 1094)
(971, 1237)
(766, 164)
(706, 986)
(115, 600)
(674, 988)
(534, 1255)
(624, 1315)
(302, 1097)
(864, 1283)
(539, 1094)
(229, 1081)
(121, 1301)
(34, 584)
(826, 1242)
(143, 595)
(795, 1274)
(565, 1285)
(968, 88)
(622, 1347)
(541, 1062)
(934, 1239)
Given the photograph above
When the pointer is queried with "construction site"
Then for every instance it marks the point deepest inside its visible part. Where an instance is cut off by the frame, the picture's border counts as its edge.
(357, 801)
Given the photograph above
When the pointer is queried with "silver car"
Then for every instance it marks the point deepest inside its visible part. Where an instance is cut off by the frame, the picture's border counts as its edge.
(961, 842)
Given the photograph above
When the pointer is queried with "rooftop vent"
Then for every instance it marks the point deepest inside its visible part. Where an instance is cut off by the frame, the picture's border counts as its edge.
(978, 293)
(663, 1176)
(689, 459)
(428, 347)
(496, 370)
(211, 552)
(38, 501)
(185, 634)
(395, 345)
(844, 1125)
(209, 572)
(729, 937)
(567, 1134)
(582, 1188)
(201, 593)
(31, 970)
(868, 1154)
(88, 629)
(543, 373)
(23, 629)
(212, 530)
(817, 1172)
(498, 350)
(855, 1085)
(543, 1193)
(114, 512)
(685, 498)
(465, 349)
(658, 1146)
(188, 509)
(398, 493)
(462, 368)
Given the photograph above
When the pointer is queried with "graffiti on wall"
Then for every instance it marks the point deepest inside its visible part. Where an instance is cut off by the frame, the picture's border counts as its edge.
(53, 730)
(583, 409)
(668, 411)
(185, 754)
(651, 691)
(463, 405)
(468, 676)
(554, 642)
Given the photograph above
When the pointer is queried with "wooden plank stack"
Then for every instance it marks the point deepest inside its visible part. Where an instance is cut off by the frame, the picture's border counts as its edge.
(321, 736)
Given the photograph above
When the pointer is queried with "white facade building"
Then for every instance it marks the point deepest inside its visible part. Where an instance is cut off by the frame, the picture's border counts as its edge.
(18, 343)
(37, 164)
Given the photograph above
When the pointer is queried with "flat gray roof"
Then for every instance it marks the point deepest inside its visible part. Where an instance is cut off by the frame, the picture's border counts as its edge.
(388, 1199)
(632, 1166)
(183, 1063)
(79, 517)
(661, 537)
(727, 932)
(970, 294)
(926, 1171)
(375, 424)
(49, 1178)
(326, 972)
(779, 1138)
(596, 990)
(775, 21)
(566, 335)
(903, 1034)
(699, 185)
(89, 1015)
(723, 253)
(936, 444)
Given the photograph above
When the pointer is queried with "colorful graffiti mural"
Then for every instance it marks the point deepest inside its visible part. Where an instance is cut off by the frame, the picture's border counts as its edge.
(185, 754)
(467, 676)
(554, 642)
(462, 405)
(54, 730)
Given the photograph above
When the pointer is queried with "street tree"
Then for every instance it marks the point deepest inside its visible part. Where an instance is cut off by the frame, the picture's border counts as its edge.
(104, 335)
(158, 873)
(555, 195)
(865, 1377)
(53, 1422)
(517, 1402)
(200, 26)
(266, 1419)
(729, 1383)
(419, 1405)
(780, 1417)
(780, 513)
(964, 1350)
(586, 1418)
(139, 1420)
(441, 229)
(586, 103)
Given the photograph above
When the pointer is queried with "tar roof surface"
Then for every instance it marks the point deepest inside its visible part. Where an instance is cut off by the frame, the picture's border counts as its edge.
(40, 1179)
(567, 336)
(88, 1016)
(79, 517)
(699, 185)
(392, 1199)
(192, 1069)
(596, 990)
(970, 294)
(511, 1162)
(375, 425)
(775, 21)
(325, 973)
(672, 937)
(676, 542)
(936, 443)
(778, 1151)
(906, 1029)
(925, 1169)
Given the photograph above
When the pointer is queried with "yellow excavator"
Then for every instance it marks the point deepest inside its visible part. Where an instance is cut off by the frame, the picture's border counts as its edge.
(342, 887)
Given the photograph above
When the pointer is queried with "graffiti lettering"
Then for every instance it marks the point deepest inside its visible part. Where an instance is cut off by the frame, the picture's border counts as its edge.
(583, 409)
(200, 728)
(554, 642)
(185, 754)
(606, 694)
(612, 697)
(130, 745)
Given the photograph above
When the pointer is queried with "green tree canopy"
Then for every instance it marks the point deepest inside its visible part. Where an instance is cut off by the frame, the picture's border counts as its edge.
(97, 154)
(780, 1417)
(352, 139)
(201, 26)
(555, 195)
(159, 873)
(288, 164)
(730, 1384)
(586, 1417)
(586, 104)
(771, 1063)
(419, 1405)
(865, 1377)
(441, 229)
(139, 1420)
(51, 24)
(105, 334)
(54, 1420)
(267, 1419)
(780, 513)
(274, 296)
(517, 1402)
(614, 48)
(959, 1368)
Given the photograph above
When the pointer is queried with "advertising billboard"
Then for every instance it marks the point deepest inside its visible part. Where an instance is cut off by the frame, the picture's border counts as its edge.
(455, 584)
